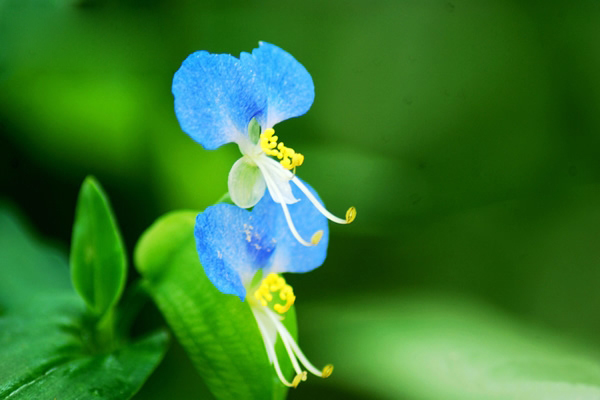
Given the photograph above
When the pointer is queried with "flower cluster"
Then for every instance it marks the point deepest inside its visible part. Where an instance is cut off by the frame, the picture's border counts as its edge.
(221, 99)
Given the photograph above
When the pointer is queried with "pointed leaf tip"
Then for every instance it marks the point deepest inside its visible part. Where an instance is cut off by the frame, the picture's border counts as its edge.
(98, 261)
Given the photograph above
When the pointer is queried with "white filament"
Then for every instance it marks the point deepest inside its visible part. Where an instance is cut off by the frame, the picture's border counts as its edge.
(316, 202)
(287, 338)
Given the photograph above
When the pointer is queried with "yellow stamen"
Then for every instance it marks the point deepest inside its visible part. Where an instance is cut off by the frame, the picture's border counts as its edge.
(350, 215)
(275, 283)
(299, 378)
(316, 238)
(289, 158)
(327, 371)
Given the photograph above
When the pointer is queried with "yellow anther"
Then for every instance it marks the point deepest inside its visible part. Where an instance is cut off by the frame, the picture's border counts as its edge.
(316, 238)
(263, 295)
(350, 215)
(286, 292)
(289, 300)
(327, 371)
(303, 376)
(275, 283)
(289, 159)
(268, 142)
(298, 378)
(298, 159)
(287, 163)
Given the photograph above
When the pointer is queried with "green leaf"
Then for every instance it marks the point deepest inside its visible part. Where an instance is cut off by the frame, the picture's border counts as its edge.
(48, 359)
(98, 262)
(217, 330)
(46, 346)
(433, 348)
(27, 268)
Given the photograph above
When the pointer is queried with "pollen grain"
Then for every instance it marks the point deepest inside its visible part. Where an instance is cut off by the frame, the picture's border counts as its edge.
(275, 283)
(289, 159)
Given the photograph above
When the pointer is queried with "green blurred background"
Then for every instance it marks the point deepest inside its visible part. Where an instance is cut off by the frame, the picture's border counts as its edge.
(465, 132)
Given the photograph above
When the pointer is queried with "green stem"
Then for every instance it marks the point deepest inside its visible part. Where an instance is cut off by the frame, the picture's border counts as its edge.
(108, 332)
(134, 298)
(225, 199)
(105, 331)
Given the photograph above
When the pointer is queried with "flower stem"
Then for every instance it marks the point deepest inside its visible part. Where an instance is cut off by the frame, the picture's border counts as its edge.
(225, 199)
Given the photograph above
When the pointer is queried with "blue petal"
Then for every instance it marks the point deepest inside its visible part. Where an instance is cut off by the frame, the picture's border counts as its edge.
(216, 96)
(289, 86)
(233, 243)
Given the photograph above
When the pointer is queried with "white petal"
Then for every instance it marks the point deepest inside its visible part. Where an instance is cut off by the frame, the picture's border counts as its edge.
(246, 183)
(278, 180)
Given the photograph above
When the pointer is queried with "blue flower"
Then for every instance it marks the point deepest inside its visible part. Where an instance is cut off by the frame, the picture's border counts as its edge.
(243, 252)
(221, 99)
